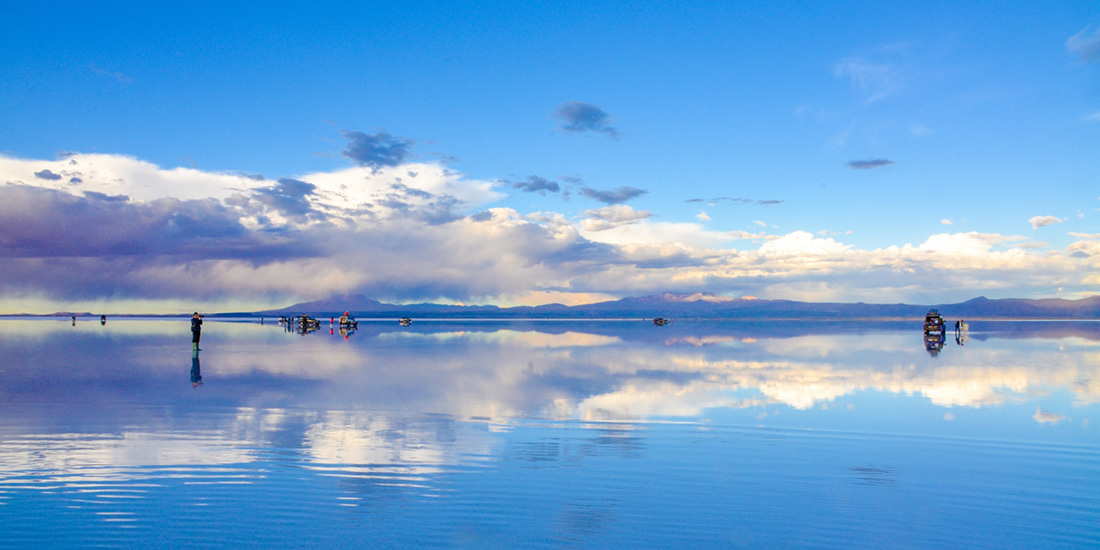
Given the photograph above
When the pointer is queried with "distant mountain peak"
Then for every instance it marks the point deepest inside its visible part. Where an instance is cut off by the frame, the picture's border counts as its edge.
(696, 297)
(702, 305)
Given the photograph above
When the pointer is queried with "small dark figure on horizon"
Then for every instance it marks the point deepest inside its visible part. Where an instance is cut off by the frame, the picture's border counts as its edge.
(74, 320)
(103, 319)
(196, 331)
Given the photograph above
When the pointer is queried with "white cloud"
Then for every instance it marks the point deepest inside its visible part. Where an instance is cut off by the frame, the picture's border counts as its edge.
(1094, 117)
(875, 81)
(1085, 45)
(802, 244)
(946, 221)
(345, 193)
(610, 217)
(745, 235)
(1043, 221)
(1047, 417)
(972, 243)
(702, 215)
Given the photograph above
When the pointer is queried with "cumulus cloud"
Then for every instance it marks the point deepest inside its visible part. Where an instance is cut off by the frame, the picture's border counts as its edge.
(946, 221)
(616, 196)
(609, 217)
(868, 164)
(577, 116)
(1043, 221)
(1085, 45)
(802, 244)
(745, 235)
(702, 215)
(376, 150)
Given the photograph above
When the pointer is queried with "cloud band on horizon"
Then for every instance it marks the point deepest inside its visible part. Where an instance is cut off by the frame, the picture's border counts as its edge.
(391, 235)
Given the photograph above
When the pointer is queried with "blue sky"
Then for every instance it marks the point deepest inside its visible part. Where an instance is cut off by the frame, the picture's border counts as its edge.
(829, 151)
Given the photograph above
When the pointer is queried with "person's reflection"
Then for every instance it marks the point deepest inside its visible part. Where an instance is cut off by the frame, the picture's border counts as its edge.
(196, 371)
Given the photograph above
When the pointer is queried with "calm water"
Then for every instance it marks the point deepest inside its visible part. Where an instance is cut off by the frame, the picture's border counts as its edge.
(549, 434)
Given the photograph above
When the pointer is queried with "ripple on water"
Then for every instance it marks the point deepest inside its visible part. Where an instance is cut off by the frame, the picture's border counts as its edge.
(551, 484)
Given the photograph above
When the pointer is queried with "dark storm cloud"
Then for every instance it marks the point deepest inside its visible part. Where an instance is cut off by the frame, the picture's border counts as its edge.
(288, 196)
(868, 164)
(376, 150)
(768, 202)
(47, 175)
(616, 196)
(577, 116)
(536, 184)
(75, 179)
(254, 177)
(43, 223)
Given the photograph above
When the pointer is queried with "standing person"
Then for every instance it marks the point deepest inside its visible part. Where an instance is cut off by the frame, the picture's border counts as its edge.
(196, 331)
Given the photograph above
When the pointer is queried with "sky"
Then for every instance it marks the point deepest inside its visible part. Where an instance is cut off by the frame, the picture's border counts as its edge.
(247, 156)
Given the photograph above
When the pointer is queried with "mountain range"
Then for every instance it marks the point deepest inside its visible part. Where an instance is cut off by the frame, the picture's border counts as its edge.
(699, 306)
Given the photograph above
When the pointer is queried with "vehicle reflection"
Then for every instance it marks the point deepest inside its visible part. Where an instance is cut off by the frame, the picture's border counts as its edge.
(933, 342)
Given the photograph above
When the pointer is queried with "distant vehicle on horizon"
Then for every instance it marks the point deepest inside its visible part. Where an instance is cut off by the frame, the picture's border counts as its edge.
(933, 322)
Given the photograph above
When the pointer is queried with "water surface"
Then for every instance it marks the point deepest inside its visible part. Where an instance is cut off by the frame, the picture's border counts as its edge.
(549, 434)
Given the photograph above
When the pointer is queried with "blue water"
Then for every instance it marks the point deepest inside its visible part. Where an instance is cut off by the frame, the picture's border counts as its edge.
(548, 435)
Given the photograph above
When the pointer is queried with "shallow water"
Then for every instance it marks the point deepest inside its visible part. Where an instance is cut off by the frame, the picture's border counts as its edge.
(549, 434)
